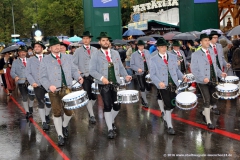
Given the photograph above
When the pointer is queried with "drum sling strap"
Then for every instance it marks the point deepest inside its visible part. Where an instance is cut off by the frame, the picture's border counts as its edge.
(145, 62)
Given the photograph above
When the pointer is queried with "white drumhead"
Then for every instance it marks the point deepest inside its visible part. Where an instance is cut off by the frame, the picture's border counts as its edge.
(121, 78)
(227, 87)
(186, 98)
(127, 92)
(30, 87)
(46, 95)
(190, 75)
(147, 76)
(94, 86)
(75, 84)
(230, 78)
(74, 96)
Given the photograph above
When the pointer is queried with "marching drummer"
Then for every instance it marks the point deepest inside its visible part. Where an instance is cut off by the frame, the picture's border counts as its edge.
(206, 72)
(18, 72)
(140, 63)
(32, 73)
(106, 67)
(220, 60)
(165, 75)
(82, 58)
(56, 72)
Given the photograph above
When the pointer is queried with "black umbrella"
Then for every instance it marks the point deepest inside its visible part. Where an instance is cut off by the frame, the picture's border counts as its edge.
(169, 35)
(119, 41)
(9, 49)
(185, 36)
(146, 38)
(95, 44)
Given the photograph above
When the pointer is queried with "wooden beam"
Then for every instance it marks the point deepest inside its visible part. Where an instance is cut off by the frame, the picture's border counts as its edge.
(223, 16)
(230, 10)
(219, 12)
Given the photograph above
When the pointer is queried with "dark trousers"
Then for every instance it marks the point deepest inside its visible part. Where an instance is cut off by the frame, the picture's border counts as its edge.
(56, 103)
(168, 98)
(207, 90)
(142, 83)
(40, 93)
(24, 92)
(87, 86)
(109, 96)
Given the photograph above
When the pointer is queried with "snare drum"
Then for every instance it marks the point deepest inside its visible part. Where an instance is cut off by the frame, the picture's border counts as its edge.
(227, 91)
(95, 88)
(231, 79)
(47, 99)
(127, 96)
(186, 100)
(123, 82)
(76, 85)
(190, 78)
(75, 100)
(31, 90)
(148, 79)
(182, 86)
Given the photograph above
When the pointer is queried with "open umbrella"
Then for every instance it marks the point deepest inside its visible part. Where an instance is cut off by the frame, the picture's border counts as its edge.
(223, 37)
(208, 31)
(9, 49)
(146, 38)
(119, 41)
(66, 42)
(168, 36)
(21, 43)
(133, 32)
(74, 39)
(155, 36)
(185, 36)
(234, 31)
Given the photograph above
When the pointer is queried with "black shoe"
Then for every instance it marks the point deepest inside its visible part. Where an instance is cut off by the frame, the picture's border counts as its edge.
(114, 127)
(60, 141)
(110, 134)
(31, 110)
(47, 119)
(45, 126)
(29, 115)
(171, 131)
(65, 132)
(204, 118)
(92, 120)
(215, 111)
(210, 126)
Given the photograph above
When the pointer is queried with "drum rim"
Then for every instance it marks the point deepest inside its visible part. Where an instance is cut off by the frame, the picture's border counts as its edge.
(226, 98)
(196, 103)
(77, 106)
(231, 80)
(75, 98)
(129, 94)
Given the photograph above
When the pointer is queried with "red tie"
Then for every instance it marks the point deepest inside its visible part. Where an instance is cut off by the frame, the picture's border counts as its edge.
(165, 60)
(215, 49)
(107, 56)
(58, 59)
(143, 56)
(209, 58)
(88, 50)
(40, 58)
(178, 53)
(24, 62)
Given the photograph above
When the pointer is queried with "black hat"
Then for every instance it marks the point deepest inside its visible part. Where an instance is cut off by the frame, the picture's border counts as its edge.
(162, 42)
(214, 33)
(86, 34)
(204, 35)
(40, 43)
(104, 35)
(23, 48)
(29, 47)
(53, 41)
(140, 42)
(64, 44)
(176, 43)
